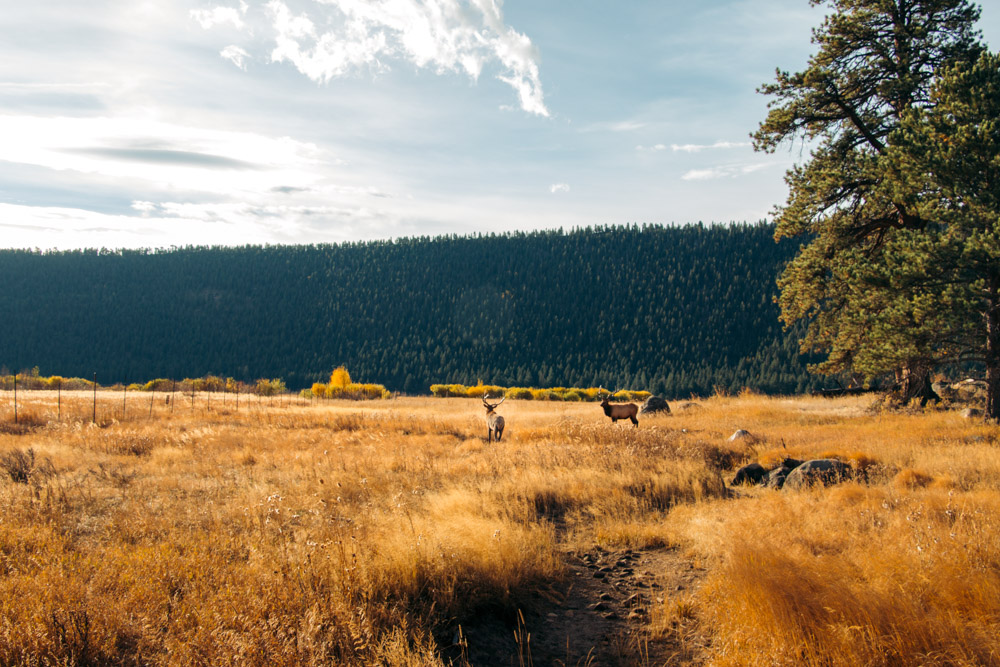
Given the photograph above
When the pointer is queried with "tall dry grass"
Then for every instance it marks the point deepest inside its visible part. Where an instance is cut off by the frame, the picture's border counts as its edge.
(289, 533)
(899, 567)
(293, 533)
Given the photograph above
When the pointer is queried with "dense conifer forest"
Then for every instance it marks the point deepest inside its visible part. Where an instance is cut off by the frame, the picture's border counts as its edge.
(675, 310)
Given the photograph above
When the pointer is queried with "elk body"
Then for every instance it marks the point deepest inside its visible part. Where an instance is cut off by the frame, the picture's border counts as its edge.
(620, 411)
(494, 422)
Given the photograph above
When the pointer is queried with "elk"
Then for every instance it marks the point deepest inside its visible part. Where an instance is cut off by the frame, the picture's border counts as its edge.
(620, 411)
(494, 422)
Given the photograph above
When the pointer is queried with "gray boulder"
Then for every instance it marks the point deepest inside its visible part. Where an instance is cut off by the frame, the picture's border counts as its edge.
(750, 474)
(655, 404)
(776, 478)
(817, 471)
(741, 434)
(970, 390)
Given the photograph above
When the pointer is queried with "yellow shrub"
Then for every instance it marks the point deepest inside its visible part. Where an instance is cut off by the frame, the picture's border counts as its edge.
(340, 377)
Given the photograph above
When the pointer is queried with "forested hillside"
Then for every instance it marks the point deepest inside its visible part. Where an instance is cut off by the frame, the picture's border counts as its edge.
(673, 310)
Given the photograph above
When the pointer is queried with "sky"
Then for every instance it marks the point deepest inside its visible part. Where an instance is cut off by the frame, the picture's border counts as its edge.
(153, 124)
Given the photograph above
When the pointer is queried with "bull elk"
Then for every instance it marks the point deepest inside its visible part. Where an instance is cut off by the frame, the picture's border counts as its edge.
(620, 411)
(494, 422)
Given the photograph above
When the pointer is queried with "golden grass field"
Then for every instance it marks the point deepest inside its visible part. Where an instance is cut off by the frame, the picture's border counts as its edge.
(361, 533)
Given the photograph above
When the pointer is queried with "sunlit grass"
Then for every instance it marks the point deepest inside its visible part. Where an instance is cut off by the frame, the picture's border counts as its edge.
(291, 532)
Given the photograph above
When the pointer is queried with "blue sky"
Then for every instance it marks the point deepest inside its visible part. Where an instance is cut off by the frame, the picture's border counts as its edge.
(126, 123)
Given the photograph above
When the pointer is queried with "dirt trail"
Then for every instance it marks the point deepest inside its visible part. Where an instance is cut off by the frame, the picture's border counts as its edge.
(598, 617)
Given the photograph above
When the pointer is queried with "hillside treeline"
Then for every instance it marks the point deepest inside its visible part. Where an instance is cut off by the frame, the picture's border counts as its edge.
(675, 310)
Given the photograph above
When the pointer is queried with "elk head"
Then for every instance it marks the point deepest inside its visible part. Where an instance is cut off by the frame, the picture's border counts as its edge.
(490, 407)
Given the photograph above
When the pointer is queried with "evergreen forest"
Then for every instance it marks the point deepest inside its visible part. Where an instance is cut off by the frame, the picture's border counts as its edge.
(678, 311)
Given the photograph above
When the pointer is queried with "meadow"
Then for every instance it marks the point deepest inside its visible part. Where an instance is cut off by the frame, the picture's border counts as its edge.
(297, 532)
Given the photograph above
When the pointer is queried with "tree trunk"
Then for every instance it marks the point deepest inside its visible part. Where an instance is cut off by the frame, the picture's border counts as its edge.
(914, 381)
(992, 410)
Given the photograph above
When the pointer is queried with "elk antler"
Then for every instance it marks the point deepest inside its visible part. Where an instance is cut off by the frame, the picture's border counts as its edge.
(493, 407)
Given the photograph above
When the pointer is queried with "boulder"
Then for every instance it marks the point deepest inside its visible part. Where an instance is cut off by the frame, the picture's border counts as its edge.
(817, 471)
(741, 435)
(776, 478)
(654, 404)
(750, 474)
(970, 390)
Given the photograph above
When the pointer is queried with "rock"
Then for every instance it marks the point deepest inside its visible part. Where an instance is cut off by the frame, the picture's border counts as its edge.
(969, 390)
(654, 404)
(741, 435)
(817, 471)
(754, 473)
(776, 478)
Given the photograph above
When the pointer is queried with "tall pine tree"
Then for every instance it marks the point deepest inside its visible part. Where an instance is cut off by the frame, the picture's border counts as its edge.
(875, 62)
(946, 159)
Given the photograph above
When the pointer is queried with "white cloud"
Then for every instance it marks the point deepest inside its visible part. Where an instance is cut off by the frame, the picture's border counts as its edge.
(236, 55)
(694, 148)
(175, 156)
(337, 38)
(209, 18)
(697, 148)
(613, 126)
(724, 171)
(557, 188)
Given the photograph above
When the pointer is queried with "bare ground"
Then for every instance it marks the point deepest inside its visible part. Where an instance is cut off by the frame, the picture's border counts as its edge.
(616, 608)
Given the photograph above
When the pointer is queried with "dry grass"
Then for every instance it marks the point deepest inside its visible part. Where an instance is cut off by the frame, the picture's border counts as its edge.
(290, 533)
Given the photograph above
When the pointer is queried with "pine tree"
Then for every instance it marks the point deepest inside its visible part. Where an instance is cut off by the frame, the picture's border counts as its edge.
(875, 62)
(947, 160)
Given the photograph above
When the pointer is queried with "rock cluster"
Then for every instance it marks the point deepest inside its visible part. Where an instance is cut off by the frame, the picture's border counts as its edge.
(794, 474)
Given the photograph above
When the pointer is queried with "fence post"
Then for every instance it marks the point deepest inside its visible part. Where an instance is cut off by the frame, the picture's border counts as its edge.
(15, 398)
(95, 398)
(59, 397)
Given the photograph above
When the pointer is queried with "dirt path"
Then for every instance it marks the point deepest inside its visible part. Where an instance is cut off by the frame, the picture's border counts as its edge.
(602, 615)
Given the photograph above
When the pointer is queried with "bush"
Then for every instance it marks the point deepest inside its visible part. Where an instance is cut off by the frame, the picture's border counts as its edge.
(21, 465)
